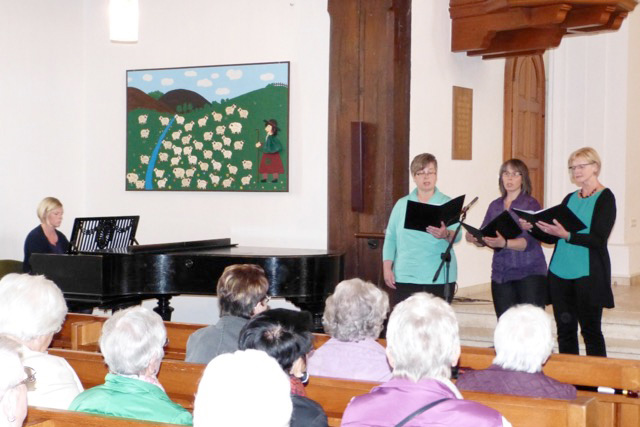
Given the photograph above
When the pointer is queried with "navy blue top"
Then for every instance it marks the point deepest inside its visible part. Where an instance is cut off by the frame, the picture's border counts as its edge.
(37, 243)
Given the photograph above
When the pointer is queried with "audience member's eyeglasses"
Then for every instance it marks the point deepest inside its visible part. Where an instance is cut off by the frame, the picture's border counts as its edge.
(579, 167)
(508, 174)
(30, 381)
(427, 173)
(266, 299)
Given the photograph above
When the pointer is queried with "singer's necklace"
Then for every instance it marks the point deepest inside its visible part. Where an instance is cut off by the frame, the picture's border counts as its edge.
(582, 196)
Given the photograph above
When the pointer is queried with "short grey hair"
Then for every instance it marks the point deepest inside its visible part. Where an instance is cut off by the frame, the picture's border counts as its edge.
(11, 369)
(131, 339)
(30, 306)
(246, 387)
(523, 338)
(356, 310)
(422, 338)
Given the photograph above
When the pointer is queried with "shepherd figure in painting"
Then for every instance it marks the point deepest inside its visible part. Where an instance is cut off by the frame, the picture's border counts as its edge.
(271, 162)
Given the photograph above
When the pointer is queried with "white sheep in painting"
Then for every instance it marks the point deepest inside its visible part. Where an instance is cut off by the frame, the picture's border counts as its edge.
(142, 119)
(176, 135)
(217, 145)
(159, 172)
(163, 157)
(243, 113)
(203, 121)
(190, 172)
(215, 179)
(140, 185)
(216, 165)
(203, 166)
(235, 127)
(217, 117)
(202, 184)
(175, 161)
(179, 119)
(178, 172)
(164, 121)
(187, 151)
(226, 140)
(237, 145)
(177, 150)
(186, 139)
(207, 154)
(189, 126)
(208, 136)
(230, 109)
(132, 177)
(220, 129)
(245, 180)
(232, 169)
(186, 182)
(192, 160)
(247, 164)
(227, 154)
(167, 144)
(144, 159)
(144, 133)
(162, 183)
(227, 182)
(198, 145)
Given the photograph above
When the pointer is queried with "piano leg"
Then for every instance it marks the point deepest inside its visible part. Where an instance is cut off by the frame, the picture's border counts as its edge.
(164, 308)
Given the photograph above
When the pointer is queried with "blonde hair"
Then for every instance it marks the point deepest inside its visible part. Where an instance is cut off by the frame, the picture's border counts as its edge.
(47, 205)
(355, 311)
(240, 288)
(588, 153)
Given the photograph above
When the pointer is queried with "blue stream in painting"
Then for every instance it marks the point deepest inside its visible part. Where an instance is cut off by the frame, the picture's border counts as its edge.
(148, 180)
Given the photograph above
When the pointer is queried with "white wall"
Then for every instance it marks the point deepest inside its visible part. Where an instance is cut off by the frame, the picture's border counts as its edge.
(433, 73)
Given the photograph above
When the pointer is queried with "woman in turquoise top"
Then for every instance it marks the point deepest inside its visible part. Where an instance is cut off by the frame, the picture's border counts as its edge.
(580, 268)
(410, 258)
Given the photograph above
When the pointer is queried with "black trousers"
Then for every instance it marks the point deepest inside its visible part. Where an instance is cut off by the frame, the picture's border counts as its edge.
(529, 290)
(572, 306)
(405, 290)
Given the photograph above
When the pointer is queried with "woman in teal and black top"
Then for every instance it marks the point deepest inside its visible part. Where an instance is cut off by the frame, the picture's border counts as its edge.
(580, 269)
(410, 258)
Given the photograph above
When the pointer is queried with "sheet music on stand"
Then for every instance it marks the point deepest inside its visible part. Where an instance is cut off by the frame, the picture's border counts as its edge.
(103, 234)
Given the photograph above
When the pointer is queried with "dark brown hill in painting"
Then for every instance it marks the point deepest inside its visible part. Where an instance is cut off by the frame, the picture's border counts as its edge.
(177, 97)
(138, 99)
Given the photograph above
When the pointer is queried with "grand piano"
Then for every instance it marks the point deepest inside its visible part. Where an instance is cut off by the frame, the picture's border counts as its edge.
(125, 276)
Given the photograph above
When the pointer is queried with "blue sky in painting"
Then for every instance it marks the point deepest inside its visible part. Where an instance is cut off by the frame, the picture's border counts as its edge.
(213, 83)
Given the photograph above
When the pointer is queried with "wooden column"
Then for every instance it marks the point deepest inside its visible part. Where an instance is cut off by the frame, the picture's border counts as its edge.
(369, 90)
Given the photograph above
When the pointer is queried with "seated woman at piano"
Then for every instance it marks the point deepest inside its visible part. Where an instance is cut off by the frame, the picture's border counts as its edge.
(523, 341)
(353, 316)
(32, 310)
(45, 239)
(14, 380)
(132, 343)
(242, 293)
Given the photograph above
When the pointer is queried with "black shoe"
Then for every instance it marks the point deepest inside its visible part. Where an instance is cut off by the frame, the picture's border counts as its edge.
(274, 180)
(263, 180)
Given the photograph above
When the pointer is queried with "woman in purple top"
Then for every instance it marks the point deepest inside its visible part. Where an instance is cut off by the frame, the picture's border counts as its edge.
(353, 316)
(518, 270)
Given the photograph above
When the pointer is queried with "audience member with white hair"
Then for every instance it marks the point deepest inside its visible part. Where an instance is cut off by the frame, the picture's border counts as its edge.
(32, 310)
(354, 315)
(244, 388)
(523, 341)
(422, 346)
(14, 381)
(132, 342)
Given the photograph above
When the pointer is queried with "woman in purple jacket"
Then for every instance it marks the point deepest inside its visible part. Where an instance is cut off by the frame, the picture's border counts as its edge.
(518, 270)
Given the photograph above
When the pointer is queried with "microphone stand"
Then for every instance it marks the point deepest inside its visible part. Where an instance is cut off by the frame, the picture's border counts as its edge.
(446, 255)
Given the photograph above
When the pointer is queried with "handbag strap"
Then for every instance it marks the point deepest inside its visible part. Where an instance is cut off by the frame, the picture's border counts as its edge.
(417, 412)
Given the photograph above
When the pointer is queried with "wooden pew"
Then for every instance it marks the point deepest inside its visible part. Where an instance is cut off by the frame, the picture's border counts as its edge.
(45, 417)
(180, 380)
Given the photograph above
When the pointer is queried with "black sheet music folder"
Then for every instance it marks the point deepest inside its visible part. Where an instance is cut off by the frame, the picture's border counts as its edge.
(561, 212)
(421, 215)
(503, 223)
(103, 234)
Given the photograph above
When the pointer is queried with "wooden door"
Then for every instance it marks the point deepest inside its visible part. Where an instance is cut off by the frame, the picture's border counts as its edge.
(524, 118)
(368, 126)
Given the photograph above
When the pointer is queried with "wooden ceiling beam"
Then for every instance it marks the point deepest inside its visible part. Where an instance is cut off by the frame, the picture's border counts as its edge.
(530, 39)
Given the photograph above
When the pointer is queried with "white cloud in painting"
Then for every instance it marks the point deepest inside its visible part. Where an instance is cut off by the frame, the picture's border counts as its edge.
(222, 91)
(267, 77)
(234, 74)
(204, 83)
(129, 79)
(147, 77)
(215, 75)
(166, 81)
(190, 73)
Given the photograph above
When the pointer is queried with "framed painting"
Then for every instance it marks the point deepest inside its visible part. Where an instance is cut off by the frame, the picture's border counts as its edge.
(208, 128)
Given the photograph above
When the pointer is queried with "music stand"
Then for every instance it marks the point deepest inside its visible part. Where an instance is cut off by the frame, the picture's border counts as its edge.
(103, 234)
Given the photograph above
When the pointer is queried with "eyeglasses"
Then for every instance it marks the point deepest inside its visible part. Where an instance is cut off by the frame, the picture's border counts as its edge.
(579, 167)
(266, 299)
(427, 173)
(30, 381)
(507, 174)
